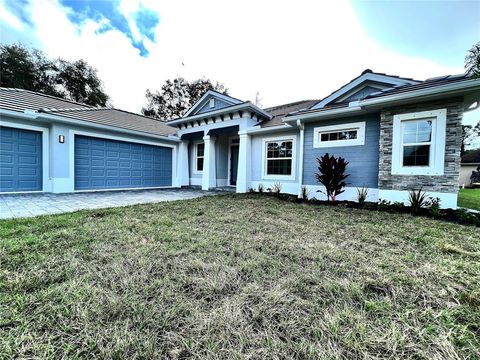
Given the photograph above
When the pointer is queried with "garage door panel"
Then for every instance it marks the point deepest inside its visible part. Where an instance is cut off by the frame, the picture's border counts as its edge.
(20, 160)
(112, 164)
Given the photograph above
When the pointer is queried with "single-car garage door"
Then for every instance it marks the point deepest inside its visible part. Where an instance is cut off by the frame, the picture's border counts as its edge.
(111, 164)
(20, 160)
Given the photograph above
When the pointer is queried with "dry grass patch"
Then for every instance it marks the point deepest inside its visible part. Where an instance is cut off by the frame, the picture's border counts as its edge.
(238, 277)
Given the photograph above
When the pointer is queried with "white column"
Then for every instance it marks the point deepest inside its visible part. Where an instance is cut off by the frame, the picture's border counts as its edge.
(244, 162)
(183, 175)
(300, 157)
(209, 177)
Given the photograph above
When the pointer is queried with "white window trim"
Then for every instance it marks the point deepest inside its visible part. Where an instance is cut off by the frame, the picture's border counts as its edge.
(265, 176)
(212, 102)
(360, 140)
(195, 169)
(437, 145)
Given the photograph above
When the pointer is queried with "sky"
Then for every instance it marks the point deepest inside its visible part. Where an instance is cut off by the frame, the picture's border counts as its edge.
(285, 50)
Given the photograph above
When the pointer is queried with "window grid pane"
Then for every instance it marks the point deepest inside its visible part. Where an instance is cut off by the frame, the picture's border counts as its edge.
(416, 155)
(339, 135)
(279, 157)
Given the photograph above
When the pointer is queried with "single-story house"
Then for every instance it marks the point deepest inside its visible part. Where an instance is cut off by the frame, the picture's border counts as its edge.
(397, 134)
(470, 163)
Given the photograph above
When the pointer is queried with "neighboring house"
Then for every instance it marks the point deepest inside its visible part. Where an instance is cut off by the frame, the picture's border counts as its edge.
(470, 163)
(398, 134)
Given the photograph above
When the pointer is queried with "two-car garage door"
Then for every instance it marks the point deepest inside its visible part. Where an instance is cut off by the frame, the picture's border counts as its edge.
(99, 164)
(112, 164)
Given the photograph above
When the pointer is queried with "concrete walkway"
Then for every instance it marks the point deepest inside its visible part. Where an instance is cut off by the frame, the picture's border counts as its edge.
(28, 205)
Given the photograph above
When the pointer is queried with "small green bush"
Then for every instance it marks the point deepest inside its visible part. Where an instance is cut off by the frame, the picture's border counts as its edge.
(362, 194)
(417, 199)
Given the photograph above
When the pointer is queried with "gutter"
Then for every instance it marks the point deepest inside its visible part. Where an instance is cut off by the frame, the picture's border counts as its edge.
(325, 114)
(32, 115)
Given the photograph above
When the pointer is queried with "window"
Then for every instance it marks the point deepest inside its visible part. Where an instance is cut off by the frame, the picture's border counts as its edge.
(199, 154)
(279, 158)
(416, 142)
(419, 143)
(212, 102)
(351, 134)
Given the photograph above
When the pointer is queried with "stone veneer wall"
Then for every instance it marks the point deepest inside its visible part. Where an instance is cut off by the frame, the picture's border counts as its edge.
(448, 182)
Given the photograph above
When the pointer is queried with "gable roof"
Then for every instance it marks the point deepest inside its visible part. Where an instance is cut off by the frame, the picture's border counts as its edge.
(211, 93)
(471, 157)
(366, 77)
(279, 111)
(431, 82)
(24, 100)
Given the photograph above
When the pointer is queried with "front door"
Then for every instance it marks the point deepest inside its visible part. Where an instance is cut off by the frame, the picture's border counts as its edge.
(233, 164)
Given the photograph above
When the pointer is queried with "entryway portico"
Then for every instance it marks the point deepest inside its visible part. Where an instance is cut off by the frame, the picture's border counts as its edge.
(214, 145)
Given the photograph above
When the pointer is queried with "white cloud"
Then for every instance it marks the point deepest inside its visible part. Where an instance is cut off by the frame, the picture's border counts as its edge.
(10, 19)
(285, 50)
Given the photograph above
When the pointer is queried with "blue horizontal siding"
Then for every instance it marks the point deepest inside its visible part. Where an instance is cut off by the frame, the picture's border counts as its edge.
(219, 104)
(363, 159)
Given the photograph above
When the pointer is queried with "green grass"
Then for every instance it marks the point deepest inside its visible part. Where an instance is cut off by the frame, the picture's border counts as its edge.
(469, 198)
(238, 277)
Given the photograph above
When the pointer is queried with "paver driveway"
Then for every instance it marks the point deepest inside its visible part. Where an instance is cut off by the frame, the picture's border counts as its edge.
(27, 205)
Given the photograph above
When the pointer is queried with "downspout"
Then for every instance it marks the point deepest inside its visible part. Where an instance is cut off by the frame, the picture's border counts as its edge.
(301, 126)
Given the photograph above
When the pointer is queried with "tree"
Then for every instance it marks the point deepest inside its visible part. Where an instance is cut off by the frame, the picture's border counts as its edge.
(28, 69)
(332, 175)
(79, 82)
(469, 134)
(472, 60)
(31, 69)
(177, 96)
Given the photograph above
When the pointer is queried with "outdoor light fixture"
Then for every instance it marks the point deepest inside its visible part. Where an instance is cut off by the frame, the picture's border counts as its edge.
(61, 139)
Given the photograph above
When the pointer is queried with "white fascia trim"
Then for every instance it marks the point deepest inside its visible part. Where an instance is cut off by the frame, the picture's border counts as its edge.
(323, 114)
(46, 179)
(360, 140)
(447, 89)
(223, 97)
(269, 129)
(437, 147)
(61, 119)
(242, 106)
(357, 82)
(265, 176)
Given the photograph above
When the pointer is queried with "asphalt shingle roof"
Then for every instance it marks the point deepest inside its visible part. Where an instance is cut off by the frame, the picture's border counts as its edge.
(21, 100)
(279, 111)
(432, 82)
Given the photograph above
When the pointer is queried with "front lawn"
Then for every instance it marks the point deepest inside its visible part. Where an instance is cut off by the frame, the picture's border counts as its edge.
(238, 276)
(469, 198)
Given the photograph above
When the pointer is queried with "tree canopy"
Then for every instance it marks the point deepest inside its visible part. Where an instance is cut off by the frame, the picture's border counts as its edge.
(177, 96)
(472, 60)
(31, 69)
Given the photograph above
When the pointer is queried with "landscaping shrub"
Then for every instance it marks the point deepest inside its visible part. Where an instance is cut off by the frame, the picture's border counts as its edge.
(305, 192)
(332, 175)
(362, 194)
(260, 188)
(417, 199)
(276, 188)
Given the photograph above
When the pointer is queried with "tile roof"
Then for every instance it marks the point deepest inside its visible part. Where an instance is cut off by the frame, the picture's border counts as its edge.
(21, 100)
(279, 111)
